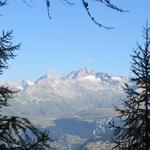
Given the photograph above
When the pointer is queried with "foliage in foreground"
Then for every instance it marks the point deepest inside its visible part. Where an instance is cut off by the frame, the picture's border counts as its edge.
(134, 133)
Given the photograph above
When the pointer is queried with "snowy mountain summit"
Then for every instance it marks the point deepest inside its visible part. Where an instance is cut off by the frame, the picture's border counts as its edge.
(79, 91)
(80, 73)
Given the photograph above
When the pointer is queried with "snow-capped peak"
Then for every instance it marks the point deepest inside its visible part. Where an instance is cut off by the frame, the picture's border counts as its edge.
(29, 82)
(26, 83)
(80, 73)
(46, 76)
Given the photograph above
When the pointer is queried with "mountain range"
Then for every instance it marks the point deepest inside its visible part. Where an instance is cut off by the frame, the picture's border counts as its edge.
(82, 97)
(75, 93)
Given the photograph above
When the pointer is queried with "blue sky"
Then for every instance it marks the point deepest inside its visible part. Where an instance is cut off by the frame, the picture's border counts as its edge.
(70, 40)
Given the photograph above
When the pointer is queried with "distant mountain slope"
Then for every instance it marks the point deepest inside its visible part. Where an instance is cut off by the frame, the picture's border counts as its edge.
(76, 107)
(78, 92)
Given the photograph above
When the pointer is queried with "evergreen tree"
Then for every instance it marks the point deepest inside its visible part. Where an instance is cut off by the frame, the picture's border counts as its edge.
(134, 132)
(16, 133)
